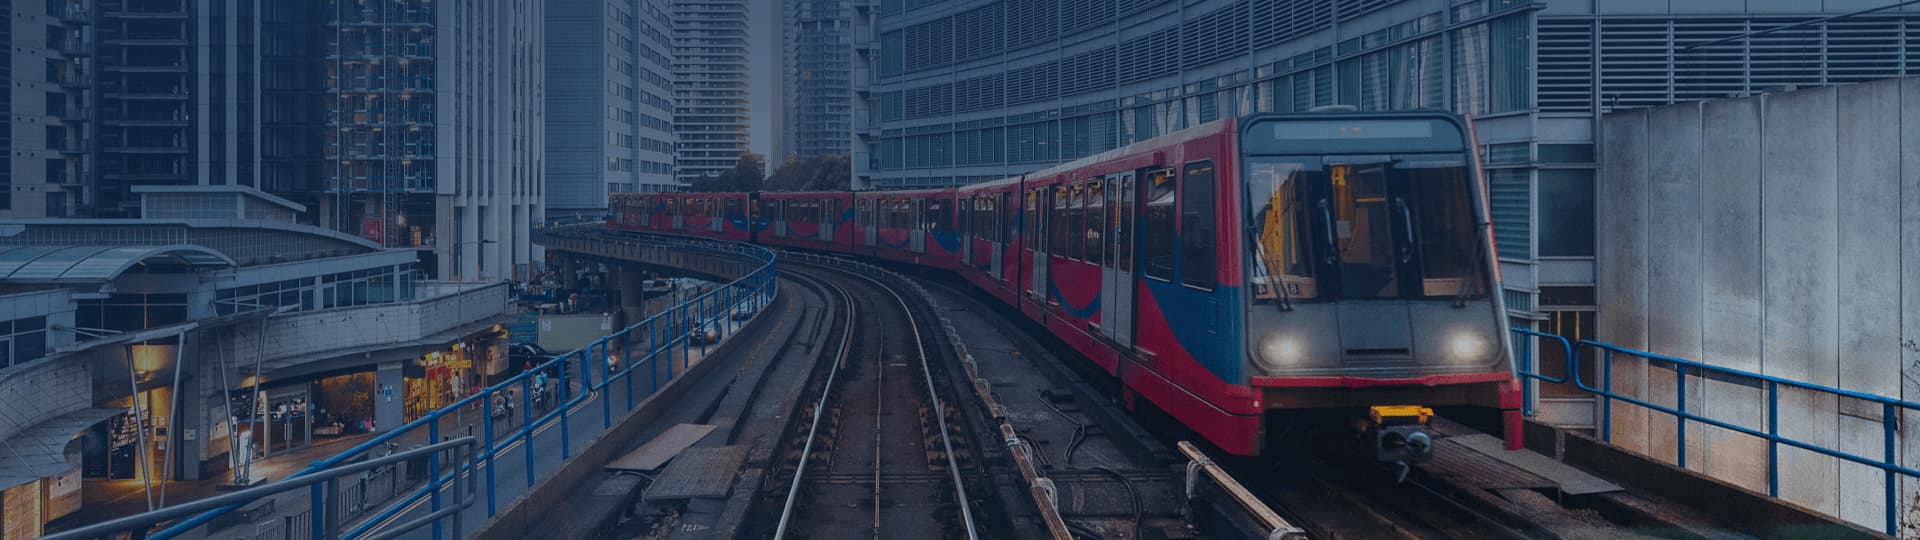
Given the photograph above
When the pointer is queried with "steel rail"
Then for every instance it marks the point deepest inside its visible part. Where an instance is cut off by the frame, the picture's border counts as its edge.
(819, 410)
(939, 412)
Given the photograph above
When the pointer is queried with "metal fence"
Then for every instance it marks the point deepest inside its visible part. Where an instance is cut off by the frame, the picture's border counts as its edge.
(642, 357)
(1890, 409)
(329, 510)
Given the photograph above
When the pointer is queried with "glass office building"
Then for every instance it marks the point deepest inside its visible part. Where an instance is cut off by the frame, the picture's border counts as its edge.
(818, 86)
(959, 91)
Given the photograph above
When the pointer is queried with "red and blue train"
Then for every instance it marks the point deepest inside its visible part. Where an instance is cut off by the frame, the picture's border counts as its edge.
(1226, 274)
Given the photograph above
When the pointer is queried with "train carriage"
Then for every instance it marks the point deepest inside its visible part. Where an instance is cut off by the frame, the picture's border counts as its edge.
(808, 220)
(989, 237)
(915, 227)
(1245, 268)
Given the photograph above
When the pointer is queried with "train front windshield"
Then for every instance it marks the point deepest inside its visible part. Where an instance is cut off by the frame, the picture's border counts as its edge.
(1357, 226)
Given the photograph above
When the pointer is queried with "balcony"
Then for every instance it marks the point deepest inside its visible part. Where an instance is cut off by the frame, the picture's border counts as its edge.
(76, 48)
(76, 14)
(73, 78)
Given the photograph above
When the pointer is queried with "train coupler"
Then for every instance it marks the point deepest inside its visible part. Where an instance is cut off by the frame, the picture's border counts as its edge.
(1400, 434)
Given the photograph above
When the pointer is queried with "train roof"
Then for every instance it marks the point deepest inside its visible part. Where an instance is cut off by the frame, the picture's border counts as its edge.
(1207, 129)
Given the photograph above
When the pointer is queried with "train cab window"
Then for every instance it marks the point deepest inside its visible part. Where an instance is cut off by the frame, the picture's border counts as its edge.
(1157, 225)
(1198, 238)
(1096, 225)
(1282, 252)
(1443, 221)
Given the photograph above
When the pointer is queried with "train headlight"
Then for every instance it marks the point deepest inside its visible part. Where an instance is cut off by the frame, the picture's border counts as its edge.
(1280, 351)
(1466, 346)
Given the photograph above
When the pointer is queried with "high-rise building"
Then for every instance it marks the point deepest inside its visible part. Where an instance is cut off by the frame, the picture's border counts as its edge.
(44, 151)
(818, 101)
(710, 86)
(608, 107)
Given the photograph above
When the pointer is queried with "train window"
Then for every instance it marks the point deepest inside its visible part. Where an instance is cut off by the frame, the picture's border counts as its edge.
(1002, 210)
(1198, 241)
(733, 209)
(1077, 224)
(1157, 240)
(966, 217)
(1029, 224)
(1096, 223)
(1277, 203)
(1443, 220)
(1123, 227)
(1058, 226)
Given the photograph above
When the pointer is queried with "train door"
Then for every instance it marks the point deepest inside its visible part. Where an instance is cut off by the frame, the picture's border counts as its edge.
(1038, 201)
(777, 210)
(829, 212)
(678, 213)
(1117, 285)
(868, 216)
(920, 225)
(719, 213)
(1002, 232)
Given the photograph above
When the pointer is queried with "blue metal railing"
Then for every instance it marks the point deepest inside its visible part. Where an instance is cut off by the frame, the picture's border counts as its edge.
(666, 337)
(1890, 408)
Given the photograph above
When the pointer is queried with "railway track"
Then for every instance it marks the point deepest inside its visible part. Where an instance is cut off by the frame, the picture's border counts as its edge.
(873, 455)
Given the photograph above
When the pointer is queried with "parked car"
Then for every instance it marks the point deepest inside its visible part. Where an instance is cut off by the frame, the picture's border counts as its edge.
(704, 335)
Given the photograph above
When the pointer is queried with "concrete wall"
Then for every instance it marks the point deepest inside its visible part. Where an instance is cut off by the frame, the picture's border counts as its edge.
(1777, 234)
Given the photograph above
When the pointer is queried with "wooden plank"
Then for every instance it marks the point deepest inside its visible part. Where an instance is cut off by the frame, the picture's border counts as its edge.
(663, 447)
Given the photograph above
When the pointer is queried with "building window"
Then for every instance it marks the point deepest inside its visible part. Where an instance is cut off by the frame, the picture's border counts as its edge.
(1566, 213)
(25, 340)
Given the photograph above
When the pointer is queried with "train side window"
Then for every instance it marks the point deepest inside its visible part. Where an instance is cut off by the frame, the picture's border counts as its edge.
(1077, 226)
(1157, 225)
(966, 217)
(1123, 227)
(1029, 222)
(1198, 253)
(733, 209)
(1096, 223)
(1000, 217)
(1059, 224)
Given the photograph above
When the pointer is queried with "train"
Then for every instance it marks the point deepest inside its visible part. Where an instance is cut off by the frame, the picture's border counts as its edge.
(1227, 274)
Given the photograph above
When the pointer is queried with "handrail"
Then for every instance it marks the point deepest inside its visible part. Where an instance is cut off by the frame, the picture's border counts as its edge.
(665, 333)
(1277, 527)
(326, 522)
(1889, 418)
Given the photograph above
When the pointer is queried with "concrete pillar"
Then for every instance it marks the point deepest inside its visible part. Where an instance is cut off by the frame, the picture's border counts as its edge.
(630, 280)
(1910, 280)
(1673, 267)
(190, 414)
(389, 395)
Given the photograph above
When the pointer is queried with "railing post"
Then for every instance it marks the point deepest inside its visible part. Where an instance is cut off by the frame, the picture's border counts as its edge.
(563, 402)
(316, 517)
(1773, 439)
(1887, 418)
(1526, 383)
(526, 420)
(606, 384)
(1606, 396)
(1680, 420)
(433, 470)
(486, 398)
(333, 507)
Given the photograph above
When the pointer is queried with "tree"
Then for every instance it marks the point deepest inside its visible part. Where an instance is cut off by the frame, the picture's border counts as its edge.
(819, 173)
(747, 174)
